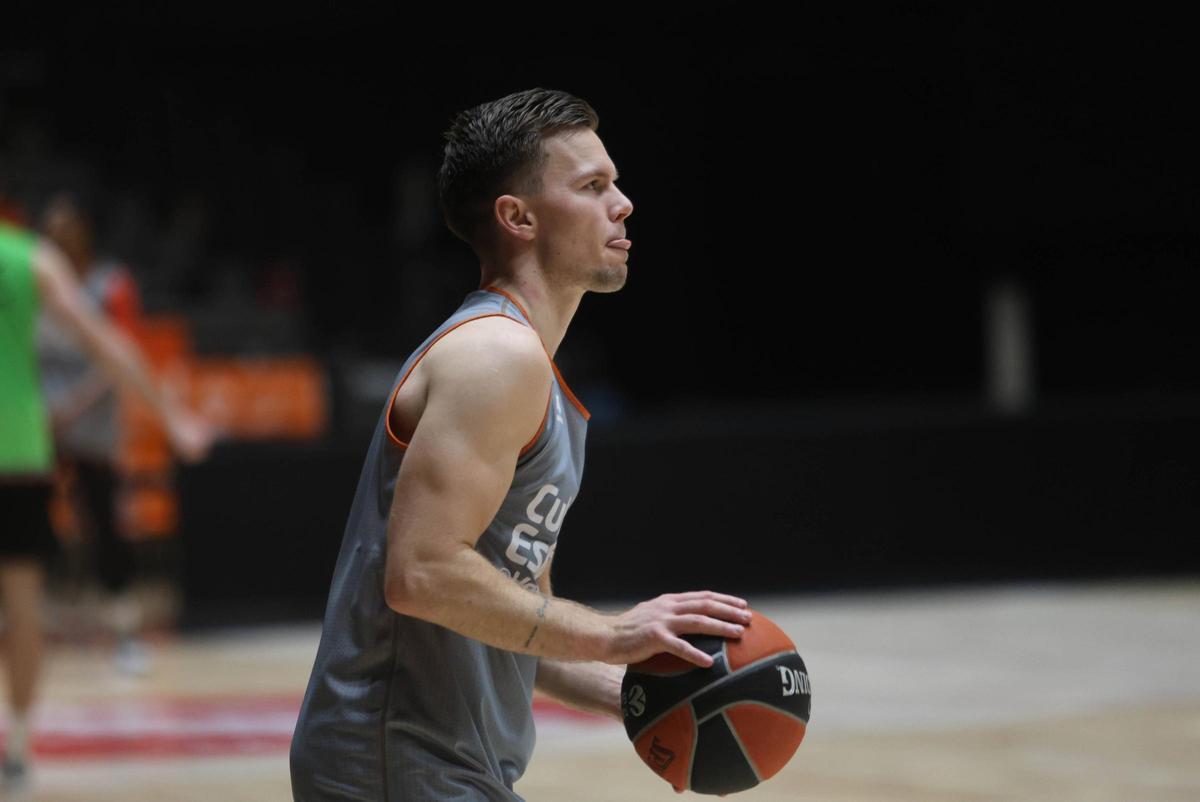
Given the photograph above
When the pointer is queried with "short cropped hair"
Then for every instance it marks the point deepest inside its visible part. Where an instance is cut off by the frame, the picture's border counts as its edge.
(496, 148)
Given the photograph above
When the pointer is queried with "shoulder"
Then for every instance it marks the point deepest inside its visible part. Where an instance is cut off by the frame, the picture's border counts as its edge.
(60, 292)
(487, 380)
(19, 252)
(50, 269)
(497, 348)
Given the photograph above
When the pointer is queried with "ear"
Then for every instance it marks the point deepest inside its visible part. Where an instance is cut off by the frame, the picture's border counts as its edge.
(514, 217)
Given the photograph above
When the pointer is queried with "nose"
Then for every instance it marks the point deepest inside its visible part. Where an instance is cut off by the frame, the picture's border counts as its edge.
(623, 207)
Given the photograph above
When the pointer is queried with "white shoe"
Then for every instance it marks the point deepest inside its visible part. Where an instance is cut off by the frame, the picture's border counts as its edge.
(14, 779)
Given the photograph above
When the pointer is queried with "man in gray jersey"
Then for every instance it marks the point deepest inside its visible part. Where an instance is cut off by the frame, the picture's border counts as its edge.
(440, 619)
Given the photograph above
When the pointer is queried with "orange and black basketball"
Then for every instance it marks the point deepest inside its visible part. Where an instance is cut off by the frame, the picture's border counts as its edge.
(725, 728)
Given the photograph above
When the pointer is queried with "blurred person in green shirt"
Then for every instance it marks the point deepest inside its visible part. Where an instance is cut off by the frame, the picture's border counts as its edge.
(36, 276)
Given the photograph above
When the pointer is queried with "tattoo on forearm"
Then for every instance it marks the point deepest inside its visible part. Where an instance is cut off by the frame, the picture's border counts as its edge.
(541, 614)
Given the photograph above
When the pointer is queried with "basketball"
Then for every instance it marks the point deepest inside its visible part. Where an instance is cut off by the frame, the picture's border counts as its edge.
(725, 728)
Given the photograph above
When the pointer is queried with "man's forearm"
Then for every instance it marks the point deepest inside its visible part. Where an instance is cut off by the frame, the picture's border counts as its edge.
(465, 593)
(591, 686)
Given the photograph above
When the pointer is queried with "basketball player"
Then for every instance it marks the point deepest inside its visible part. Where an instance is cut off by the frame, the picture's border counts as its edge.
(84, 409)
(441, 619)
(34, 274)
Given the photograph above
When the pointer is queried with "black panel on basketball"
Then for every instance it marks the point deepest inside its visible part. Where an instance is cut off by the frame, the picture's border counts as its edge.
(762, 683)
(653, 696)
(648, 696)
(709, 644)
(720, 765)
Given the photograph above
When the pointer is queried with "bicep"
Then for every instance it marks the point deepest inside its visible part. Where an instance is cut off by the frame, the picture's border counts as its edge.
(463, 452)
(451, 482)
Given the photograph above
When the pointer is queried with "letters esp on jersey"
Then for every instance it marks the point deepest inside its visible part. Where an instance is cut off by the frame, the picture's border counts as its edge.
(525, 549)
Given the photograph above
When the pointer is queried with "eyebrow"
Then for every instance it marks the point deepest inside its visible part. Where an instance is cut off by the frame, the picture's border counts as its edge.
(598, 171)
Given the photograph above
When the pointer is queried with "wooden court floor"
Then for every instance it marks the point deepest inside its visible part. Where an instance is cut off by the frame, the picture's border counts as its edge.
(1040, 692)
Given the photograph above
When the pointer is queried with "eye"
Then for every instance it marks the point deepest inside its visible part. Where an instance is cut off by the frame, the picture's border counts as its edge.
(596, 184)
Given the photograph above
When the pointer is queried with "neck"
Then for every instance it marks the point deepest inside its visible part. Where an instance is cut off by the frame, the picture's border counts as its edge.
(549, 308)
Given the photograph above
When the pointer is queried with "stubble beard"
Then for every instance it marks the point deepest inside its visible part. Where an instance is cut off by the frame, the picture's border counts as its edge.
(608, 278)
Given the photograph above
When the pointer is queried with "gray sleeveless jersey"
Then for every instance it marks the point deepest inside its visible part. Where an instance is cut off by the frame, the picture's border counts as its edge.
(64, 363)
(401, 709)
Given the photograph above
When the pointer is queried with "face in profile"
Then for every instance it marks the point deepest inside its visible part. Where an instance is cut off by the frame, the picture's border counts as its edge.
(580, 214)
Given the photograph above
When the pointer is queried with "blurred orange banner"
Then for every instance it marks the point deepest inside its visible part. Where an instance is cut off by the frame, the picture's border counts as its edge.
(246, 398)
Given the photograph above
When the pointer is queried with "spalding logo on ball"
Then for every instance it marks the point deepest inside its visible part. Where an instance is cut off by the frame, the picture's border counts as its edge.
(725, 728)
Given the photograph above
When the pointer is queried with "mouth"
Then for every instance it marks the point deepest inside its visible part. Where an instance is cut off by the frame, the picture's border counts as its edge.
(622, 244)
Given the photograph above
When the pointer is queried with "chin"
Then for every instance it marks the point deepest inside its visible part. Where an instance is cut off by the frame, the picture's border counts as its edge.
(609, 278)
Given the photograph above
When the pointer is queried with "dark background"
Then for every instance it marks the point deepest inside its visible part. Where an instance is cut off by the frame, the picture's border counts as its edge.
(790, 393)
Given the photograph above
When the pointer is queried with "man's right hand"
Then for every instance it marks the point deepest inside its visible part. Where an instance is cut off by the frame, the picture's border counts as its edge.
(656, 626)
(190, 435)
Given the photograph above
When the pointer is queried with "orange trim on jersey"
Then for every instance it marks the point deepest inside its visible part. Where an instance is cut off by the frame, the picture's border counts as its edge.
(542, 428)
(514, 301)
(387, 421)
(561, 381)
(570, 395)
